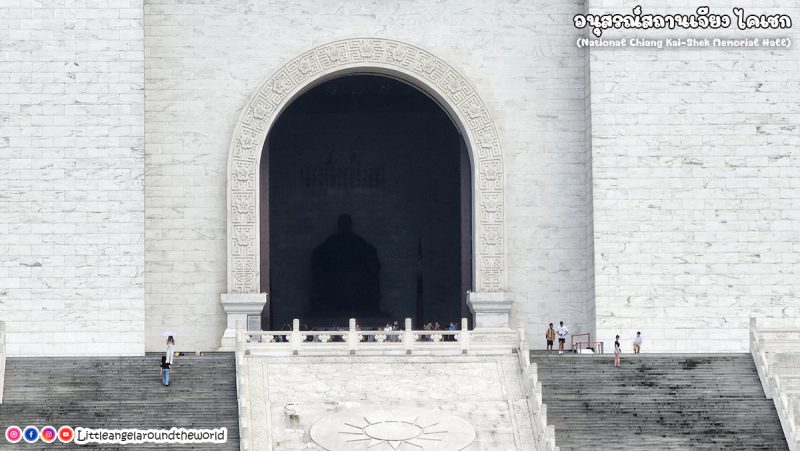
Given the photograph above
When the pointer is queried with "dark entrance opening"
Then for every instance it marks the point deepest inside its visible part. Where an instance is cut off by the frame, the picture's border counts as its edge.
(365, 208)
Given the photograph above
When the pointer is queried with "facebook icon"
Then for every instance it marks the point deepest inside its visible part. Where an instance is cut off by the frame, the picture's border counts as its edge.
(30, 434)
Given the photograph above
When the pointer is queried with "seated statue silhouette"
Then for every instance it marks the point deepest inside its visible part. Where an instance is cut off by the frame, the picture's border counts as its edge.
(345, 274)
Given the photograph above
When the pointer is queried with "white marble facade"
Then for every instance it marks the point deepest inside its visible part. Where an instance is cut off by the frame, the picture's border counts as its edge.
(696, 185)
(643, 189)
(221, 68)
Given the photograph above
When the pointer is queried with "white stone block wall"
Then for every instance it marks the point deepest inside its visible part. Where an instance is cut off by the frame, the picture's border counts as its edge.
(646, 189)
(696, 180)
(71, 173)
(206, 58)
(546, 172)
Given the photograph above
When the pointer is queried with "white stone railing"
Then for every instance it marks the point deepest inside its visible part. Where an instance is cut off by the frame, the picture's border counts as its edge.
(544, 434)
(776, 353)
(2, 358)
(353, 341)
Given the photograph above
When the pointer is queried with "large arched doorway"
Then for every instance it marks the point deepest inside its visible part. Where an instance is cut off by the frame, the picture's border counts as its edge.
(365, 207)
(245, 296)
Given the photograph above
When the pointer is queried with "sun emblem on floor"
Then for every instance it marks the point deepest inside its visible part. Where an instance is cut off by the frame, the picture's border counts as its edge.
(373, 428)
(394, 433)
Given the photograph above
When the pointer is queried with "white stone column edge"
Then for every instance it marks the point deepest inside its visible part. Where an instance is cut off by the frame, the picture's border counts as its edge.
(238, 306)
(490, 310)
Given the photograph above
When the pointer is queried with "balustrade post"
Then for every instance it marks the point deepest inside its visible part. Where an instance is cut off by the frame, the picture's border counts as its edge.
(539, 396)
(551, 436)
(239, 332)
(408, 337)
(295, 340)
(352, 336)
(523, 349)
(239, 347)
(464, 338)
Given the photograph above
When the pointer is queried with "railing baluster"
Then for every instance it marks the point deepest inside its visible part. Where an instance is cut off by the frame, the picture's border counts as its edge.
(352, 336)
(464, 337)
(408, 337)
(295, 339)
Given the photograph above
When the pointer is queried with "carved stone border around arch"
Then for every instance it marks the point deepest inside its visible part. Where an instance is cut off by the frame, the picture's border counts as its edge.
(421, 68)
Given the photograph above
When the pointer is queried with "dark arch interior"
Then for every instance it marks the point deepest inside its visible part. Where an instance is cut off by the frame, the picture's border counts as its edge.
(388, 157)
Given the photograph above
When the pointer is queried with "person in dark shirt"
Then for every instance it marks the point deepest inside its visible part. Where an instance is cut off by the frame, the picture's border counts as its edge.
(164, 370)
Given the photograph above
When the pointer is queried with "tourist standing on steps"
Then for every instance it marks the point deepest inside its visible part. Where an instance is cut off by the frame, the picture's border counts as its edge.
(550, 336)
(637, 343)
(562, 337)
(165, 371)
(617, 352)
(170, 349)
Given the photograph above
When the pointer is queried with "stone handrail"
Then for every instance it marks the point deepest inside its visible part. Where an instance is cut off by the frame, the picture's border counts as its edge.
(353, 341)
(2, 358)
(544, 434)
(786, 405)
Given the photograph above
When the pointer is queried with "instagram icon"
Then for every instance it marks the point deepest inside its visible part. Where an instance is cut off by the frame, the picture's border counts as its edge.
(49, 434)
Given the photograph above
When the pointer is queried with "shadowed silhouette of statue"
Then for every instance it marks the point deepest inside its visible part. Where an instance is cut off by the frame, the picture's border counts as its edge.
(345, 274)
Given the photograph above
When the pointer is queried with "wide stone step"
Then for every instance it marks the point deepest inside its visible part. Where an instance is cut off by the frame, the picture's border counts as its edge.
(659, 402)
(123, 392)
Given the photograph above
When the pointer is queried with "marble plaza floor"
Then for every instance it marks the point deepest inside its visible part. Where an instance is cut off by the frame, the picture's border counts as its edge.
(388, 403)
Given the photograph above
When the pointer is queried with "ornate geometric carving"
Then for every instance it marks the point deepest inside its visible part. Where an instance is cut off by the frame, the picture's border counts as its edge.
(367, 50)
(244, 275)
(244, 240)
(261, 110)
(491, 241)
(243, 212)
(365, 428)
(425, 70)
(491, 173)
(491, 273)
(396, 54)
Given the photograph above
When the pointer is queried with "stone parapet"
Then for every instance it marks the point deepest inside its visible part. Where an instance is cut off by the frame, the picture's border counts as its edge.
(238, 306)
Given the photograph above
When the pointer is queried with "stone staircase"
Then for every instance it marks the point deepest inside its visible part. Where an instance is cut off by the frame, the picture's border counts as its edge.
(121, 392)
(658, 402)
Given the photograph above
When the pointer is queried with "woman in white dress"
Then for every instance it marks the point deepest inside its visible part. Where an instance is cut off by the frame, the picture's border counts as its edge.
(170, 349)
